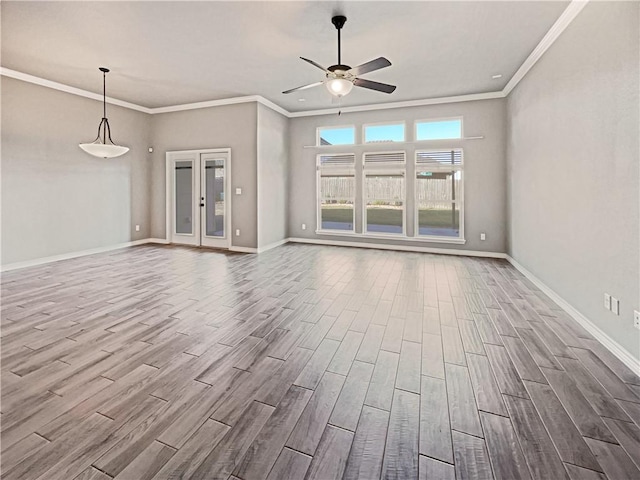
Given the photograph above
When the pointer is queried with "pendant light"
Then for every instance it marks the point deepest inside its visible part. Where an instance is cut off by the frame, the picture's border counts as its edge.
(100, 147)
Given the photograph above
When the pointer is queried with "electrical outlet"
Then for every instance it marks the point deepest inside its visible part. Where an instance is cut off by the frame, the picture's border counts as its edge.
(483, 236)
(237, 232)
(137, 228)
(304, 226)
(607, 301)
(636, 319)
(615, 306)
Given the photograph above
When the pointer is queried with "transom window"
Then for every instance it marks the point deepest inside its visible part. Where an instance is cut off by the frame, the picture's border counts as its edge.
(336, 136)
(392, 132)
(439, 129)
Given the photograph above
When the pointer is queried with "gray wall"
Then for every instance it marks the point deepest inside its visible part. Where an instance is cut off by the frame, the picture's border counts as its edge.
(574, 167)
(56, 198)
(273, 169)
(231, 126)
(484, 170)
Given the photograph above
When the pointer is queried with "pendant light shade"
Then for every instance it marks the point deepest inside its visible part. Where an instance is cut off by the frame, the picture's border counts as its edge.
(103, 146)
(102, 150)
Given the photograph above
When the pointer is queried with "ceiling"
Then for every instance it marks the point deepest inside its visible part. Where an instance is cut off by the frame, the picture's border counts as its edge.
(172, 53)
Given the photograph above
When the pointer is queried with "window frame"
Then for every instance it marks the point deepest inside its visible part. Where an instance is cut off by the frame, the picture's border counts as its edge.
(336, 127)
(348, 171)
(384, 169)
(436, 120)
(439, 168)
(380, 124)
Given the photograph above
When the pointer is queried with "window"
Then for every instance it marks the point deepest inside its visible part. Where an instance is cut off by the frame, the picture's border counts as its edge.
(439, 129)
(439, 193)
(336, 136)
(384, 133)
(373, 203)
(384, 193)
(336, 192)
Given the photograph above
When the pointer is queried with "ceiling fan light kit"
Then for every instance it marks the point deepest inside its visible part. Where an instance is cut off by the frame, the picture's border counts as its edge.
(340, 79)
(103, 146)
(339, 86)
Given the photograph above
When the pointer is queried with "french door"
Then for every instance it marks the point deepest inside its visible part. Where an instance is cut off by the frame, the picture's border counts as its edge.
(198, 210)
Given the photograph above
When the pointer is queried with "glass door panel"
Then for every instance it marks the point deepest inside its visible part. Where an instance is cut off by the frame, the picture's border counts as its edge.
(184, 197)
(214, 198)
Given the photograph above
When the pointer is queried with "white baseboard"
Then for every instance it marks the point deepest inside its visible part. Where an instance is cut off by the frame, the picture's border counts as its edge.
(401, 248)
(272, 245)
(259, 249)
(66, 256)
(243, 249)
(614, 347)
(161, 241)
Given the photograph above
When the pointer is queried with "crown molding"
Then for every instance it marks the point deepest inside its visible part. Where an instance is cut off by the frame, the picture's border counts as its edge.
(246, 99)
(572, 10)
(273, 106)
(206, 104)
(221, 102)
(409, 103)
(25, 77)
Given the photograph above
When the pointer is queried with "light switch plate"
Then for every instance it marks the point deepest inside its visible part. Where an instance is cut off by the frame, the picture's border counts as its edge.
(238, 191)
(615, 306)
(607, 301)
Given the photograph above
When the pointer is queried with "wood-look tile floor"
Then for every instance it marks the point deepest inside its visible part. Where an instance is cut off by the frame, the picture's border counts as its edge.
(304, 362)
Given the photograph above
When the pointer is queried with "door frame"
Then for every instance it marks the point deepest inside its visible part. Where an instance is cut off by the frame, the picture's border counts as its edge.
(169, 191)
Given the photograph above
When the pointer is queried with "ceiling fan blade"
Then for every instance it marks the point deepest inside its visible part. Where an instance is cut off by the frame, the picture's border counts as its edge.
(304, 87)
(314, 64)
(376, 64)
(380, 87)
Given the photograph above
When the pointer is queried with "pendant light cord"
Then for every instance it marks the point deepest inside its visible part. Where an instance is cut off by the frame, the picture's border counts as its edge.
(104, 106)
(104, 127)
(104, 93)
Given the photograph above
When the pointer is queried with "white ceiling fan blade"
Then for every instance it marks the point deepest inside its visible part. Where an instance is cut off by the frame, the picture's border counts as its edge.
(314, 64)
(304, 87)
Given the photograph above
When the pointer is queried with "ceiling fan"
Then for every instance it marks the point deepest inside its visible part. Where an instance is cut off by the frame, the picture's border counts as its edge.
(340, 79)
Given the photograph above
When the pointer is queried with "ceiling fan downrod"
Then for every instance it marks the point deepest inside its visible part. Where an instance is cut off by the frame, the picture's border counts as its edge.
(339, 21)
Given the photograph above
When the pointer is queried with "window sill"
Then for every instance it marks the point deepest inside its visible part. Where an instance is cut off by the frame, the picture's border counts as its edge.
(389, 144)
(400, 238)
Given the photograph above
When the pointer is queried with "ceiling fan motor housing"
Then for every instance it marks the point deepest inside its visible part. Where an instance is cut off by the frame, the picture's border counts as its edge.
(338, 68)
